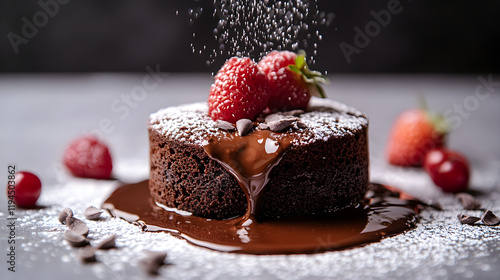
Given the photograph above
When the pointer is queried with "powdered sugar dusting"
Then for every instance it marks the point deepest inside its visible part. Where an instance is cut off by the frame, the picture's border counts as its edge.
(325, 119)
(438, 248)
(190, 123)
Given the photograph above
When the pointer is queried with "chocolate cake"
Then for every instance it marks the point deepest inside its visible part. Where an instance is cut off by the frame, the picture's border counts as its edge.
(319, 164)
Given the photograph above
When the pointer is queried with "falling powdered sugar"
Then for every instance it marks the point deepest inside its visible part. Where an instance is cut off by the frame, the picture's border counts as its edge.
(254, 28)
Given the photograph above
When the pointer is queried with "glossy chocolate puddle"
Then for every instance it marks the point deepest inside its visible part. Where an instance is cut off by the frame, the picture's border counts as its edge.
(385, 214)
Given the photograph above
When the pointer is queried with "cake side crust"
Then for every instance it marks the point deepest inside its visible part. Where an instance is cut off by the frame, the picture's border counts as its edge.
(324, 170)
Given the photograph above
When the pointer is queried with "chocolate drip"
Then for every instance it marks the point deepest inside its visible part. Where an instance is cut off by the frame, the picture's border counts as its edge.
(250, 159)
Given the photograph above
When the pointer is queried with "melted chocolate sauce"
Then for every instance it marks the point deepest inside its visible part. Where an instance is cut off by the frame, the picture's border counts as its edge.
(250, 159)
(384, 214)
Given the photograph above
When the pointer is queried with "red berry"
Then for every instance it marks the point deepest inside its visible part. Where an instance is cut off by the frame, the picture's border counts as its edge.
(412, 136)
(27, 189)
(449, 170)
(288, 89)
(240, 91)
(290, 81)
(89, 158)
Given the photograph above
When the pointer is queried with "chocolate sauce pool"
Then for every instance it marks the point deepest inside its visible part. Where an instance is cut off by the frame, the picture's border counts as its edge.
(384, 214)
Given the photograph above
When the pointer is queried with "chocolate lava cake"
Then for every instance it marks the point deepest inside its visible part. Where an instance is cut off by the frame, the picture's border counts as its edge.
(323, 169)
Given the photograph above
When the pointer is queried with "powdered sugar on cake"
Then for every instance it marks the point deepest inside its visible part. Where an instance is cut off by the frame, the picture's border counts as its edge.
(325, 119)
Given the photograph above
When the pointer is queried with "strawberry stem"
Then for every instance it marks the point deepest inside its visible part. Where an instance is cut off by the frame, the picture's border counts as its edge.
(438, 121)
(313, 79)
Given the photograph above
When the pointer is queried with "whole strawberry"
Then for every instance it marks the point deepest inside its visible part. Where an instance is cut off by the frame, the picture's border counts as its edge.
(414, 133)
(291, 82)
(239, 92)
(89, 158)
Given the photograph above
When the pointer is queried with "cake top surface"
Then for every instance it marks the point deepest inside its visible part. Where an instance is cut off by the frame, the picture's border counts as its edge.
(324, 118)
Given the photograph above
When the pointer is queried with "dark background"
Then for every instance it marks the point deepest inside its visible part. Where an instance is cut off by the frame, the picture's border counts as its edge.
(428, 36)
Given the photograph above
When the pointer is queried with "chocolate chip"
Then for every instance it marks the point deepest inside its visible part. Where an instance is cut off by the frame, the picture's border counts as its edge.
(87, 254)
(126, 216)
(153, 261)
(227, 126)
(489, 218)
(468, 201)
(278, 117)
(107, 243)
(301, 124)
(263, 126)
(92, 213)
(280, 125)
(74, 239)
(78, 226)
(467, 220)
(65, 213)
(244, 126)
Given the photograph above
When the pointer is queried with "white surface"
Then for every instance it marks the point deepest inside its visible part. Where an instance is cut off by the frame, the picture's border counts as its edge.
(41, 114)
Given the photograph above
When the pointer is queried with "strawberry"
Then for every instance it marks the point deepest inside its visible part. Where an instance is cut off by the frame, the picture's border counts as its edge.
(414, 133)
(89, 158)
(240, 91)
(290, 80)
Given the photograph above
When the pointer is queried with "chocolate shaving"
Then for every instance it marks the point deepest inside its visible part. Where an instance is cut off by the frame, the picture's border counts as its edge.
(126, 216)
(107, 243)
(74, 239)
(224, 125)
(78, 226)
(153, 261)
(87, 254)
(279, 117)
(489, 218)
(280, 125)
(92, 213)
(301, 124)
(65, 213)
(272, 118)
(244, 126)
(468, 201)
(467, 220)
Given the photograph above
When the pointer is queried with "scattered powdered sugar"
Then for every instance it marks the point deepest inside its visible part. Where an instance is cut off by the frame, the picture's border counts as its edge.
(438, 248)
(191, 122)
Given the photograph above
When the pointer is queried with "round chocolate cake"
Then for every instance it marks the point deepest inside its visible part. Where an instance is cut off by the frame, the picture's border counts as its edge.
(292, 163)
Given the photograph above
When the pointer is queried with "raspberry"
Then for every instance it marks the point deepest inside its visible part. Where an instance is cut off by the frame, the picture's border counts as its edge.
(89, 158)
(290, 81)
(239, 92)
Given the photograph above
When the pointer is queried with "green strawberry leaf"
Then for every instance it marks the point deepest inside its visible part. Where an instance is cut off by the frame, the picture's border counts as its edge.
(313, 79)
(440, 124)
(295, 69)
